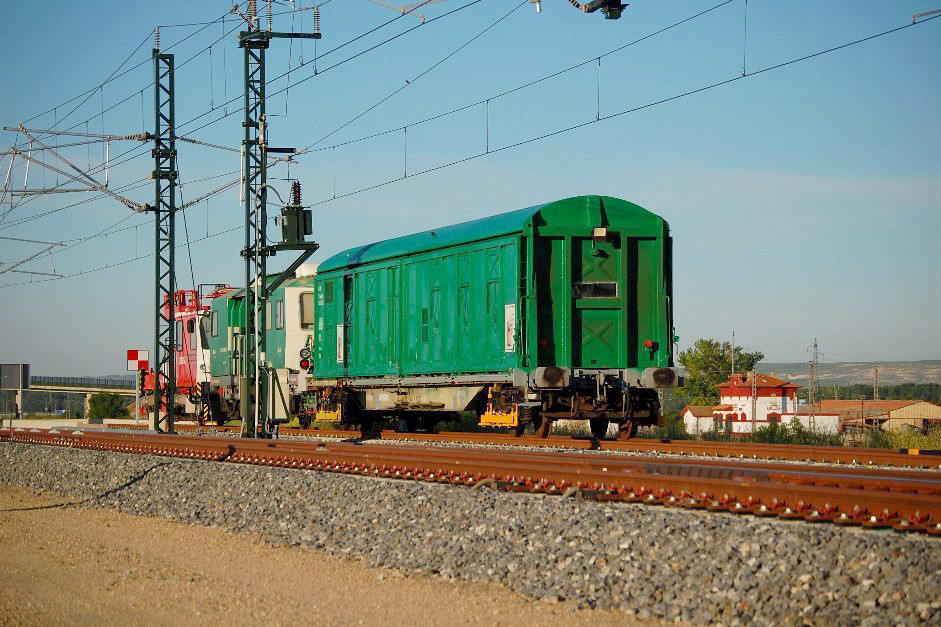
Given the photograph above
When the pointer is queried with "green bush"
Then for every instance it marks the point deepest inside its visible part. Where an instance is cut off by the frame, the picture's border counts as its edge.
(774, 433)
(931, 440)
(778, 433)
(105, 405)
(800, 434)
(878, 438)
(671, 429)
(716, 436)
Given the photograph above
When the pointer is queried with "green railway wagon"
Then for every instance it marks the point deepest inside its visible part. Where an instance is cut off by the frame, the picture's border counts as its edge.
(289, 326)
(561, 310)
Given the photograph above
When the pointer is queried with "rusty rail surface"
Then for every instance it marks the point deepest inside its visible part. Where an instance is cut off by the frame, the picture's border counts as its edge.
(913, 458)
(905, 500)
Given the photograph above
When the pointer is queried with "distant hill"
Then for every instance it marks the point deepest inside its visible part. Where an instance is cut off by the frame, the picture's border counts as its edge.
(852, 372)
(833, 373)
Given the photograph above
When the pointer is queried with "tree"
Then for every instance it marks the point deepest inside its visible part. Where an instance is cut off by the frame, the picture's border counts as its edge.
(105, 405)
(709, 363)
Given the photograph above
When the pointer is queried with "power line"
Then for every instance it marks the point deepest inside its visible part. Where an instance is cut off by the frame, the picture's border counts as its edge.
(325, 54)
(514, 89)
(610, 116)
(348, 42)
(628, 111)
(425, 72)
(113, 75)
(544, 136)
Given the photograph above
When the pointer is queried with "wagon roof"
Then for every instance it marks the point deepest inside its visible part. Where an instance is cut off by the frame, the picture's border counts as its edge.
(474, 230)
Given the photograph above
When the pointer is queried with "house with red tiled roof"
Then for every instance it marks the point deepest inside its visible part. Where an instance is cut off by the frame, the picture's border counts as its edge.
(744, 394)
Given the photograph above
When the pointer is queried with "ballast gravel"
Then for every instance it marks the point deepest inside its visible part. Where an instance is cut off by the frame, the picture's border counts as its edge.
(659, 563)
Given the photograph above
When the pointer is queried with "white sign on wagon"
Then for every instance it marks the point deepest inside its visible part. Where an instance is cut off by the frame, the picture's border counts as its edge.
(339, 343)
(509, 328)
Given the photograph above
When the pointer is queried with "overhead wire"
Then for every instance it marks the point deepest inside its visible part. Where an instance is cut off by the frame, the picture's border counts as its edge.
(625, 112)
(117, 160)
(546, 135)
(425, 72)
(99, 88)
(115, 76)
(569, 128)
(512, 90)
(226, 114)
(325, 54)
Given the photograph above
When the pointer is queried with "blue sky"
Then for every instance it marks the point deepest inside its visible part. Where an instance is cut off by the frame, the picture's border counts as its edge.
(804, 202)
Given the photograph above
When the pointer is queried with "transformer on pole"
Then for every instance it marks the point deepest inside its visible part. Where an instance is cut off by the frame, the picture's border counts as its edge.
(255, 375)
(165, 176)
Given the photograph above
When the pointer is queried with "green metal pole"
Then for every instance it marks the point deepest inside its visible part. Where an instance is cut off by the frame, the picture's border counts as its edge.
(253, 386)
(165, 176)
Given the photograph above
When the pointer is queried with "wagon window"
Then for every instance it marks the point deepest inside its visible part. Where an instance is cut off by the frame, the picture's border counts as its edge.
(328, 292)
(203, 333)
(307, 310)
(178, 333)
(596, 290)
(191, 331)
(279, 314)
(268, 315)
(214, 323)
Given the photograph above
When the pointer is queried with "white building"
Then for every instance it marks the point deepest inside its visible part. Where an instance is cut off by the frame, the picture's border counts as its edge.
(699, 419)
(753, 399)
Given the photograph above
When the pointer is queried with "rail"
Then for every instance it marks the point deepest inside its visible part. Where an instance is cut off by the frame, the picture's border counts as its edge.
(852, 456)
(905, 500)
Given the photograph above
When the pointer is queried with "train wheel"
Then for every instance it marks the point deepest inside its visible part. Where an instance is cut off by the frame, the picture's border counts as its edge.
(542, 426)
(599, 427)
(406, 424)
(627, 429)
(527, 416)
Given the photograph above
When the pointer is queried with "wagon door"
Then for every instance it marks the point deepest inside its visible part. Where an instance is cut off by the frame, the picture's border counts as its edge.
(345, 343)
(597, 320)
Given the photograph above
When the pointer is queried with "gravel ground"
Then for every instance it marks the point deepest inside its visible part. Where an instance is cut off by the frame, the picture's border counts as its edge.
(660, 563)
(98, 566)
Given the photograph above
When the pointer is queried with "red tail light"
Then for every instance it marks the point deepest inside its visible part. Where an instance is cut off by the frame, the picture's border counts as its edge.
(305, 364)
(649, 344)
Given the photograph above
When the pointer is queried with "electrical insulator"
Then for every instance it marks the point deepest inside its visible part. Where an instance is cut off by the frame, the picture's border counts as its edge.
(296, 193)
(316, 19)
(252, 10)
(270, 18)
(157, 38)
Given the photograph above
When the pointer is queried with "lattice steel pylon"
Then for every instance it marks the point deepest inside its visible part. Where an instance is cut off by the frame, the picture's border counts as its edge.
(251, 390)
(253, 383)
(165, 177)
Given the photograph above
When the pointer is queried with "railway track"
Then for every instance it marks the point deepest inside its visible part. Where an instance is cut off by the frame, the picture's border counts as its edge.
(911, 458)
(905, 500)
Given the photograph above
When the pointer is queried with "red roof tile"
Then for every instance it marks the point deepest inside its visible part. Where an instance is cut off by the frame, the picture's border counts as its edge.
(701, 411)
(762, 380)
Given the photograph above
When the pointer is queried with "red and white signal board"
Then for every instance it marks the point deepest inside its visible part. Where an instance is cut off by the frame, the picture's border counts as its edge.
(137, 360)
